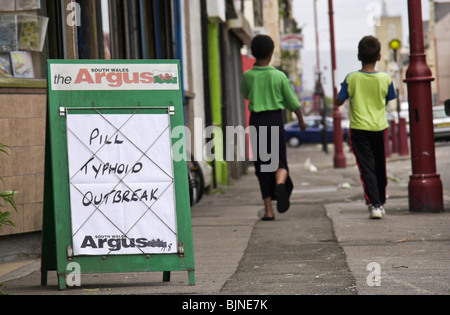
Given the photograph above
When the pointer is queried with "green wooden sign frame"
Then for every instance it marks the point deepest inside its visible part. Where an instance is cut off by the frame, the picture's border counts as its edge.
(102, 96)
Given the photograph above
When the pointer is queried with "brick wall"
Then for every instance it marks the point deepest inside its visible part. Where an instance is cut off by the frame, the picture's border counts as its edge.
(22, 128)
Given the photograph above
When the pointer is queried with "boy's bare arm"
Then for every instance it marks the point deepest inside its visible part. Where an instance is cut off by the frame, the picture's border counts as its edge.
(301, 122)
(339, 102)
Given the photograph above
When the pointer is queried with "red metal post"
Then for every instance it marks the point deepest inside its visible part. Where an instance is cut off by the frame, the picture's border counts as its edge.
(339, 156)
(425, 186)
(403, 137)
(394, 136)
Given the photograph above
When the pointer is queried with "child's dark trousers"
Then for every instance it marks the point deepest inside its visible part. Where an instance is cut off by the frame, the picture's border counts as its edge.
(368, 147)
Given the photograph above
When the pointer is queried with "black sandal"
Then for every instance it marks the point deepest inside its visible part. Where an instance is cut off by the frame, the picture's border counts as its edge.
(282, 195)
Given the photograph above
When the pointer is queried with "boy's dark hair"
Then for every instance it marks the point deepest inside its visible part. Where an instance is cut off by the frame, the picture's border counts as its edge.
(262, 46)
(369, 49)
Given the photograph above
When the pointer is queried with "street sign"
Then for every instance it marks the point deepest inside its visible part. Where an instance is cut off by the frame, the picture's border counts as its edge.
(116, 196)
(291, 41)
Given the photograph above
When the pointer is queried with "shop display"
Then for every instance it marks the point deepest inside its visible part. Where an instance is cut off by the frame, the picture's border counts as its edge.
(5, 66)
(32, 32)
(7, 5)
(8, 33)
(22, 64)
(27, 4)
(22, 33)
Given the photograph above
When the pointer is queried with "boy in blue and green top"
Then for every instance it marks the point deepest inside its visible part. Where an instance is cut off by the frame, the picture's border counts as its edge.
(369, 91)
(269, 92)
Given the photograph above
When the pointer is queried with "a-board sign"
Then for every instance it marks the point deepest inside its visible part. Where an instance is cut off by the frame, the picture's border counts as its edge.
(116, 199)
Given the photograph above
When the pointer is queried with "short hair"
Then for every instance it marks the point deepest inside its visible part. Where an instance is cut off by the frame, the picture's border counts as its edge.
(262, 46)
(369, 49)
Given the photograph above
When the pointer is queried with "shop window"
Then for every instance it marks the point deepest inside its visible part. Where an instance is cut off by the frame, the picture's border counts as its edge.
(138, 29)
(33, 31)
(23, 42)
(90, 30)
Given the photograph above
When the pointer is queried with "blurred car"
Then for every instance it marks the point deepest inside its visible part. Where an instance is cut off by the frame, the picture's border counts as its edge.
(441, 123)
(313, 133)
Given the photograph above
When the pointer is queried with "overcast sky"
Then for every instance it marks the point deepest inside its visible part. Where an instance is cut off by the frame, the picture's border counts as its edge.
(352, 19)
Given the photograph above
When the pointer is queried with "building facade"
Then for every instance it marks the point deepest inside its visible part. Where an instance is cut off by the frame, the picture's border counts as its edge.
(441, 42)
(207, 36)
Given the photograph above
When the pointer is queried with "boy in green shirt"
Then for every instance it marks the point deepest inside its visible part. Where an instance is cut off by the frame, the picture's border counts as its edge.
(269, 92)
(369, 91)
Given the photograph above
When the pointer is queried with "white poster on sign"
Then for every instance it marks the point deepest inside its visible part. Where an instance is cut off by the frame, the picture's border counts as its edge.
(122, 193)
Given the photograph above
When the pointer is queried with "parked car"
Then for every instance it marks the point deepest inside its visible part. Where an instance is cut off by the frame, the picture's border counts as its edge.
(313, 133)
(441, 123)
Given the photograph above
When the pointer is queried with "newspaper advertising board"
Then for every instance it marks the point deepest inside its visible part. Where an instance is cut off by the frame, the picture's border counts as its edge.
(114, 192)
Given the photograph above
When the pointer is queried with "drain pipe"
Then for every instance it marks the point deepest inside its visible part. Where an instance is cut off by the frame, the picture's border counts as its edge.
(206, 86)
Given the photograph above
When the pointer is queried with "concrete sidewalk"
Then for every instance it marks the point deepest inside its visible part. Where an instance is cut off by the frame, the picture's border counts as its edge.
(325, 243)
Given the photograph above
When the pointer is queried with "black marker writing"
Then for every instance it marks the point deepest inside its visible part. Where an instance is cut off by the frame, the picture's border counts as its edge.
(103, 139)
(110, 168)
(119, 196)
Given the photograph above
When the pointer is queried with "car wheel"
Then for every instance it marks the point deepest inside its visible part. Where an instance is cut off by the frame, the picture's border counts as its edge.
(294, 142)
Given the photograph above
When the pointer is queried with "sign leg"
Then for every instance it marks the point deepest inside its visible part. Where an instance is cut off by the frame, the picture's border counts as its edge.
(166, 276)
(48, 256)
(191, 277)
(43, 277)
(62, 281)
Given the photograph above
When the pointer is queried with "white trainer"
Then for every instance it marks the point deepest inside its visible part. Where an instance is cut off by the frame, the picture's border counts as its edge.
(383, 211)
(375, 213)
